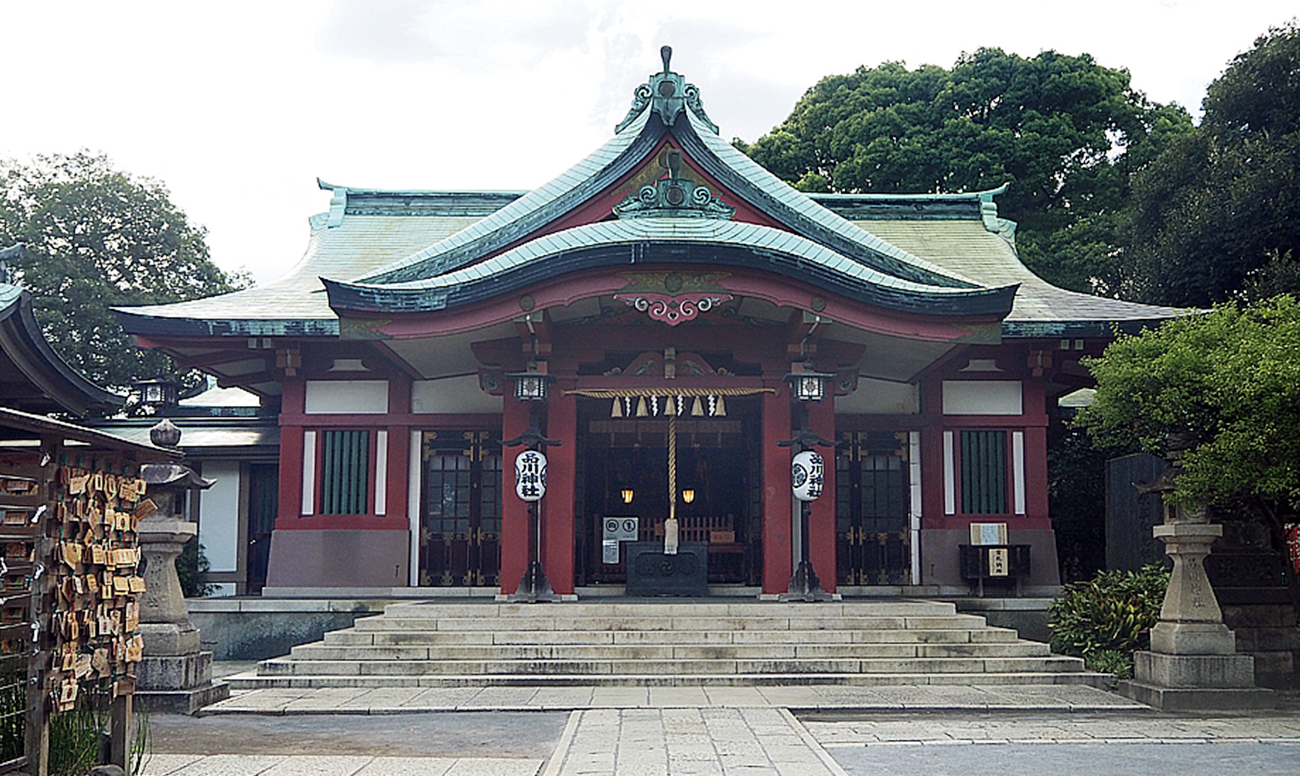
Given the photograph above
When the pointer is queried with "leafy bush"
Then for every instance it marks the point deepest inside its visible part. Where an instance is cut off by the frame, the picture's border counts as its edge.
(78, 738)
(192, 569)
(1104, 620)
(13, 703)
(1111, 661)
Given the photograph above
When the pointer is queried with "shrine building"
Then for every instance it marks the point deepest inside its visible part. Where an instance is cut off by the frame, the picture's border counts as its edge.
(666, 295)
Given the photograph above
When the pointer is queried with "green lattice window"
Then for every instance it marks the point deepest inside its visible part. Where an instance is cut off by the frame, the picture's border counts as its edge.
(984, 472)
(345, 472)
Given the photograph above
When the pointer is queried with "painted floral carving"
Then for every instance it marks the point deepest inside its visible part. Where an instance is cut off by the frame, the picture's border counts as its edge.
(673, 297)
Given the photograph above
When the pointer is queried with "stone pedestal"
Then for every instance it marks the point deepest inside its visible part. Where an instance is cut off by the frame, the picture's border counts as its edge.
(1193, 662)
(175, 676)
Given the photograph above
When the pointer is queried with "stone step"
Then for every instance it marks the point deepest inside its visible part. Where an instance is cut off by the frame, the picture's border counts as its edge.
(699, 666)
(354, 637)
(580, 621)
(435, 610)
(619, 643)
(583, 652)
(253, 682)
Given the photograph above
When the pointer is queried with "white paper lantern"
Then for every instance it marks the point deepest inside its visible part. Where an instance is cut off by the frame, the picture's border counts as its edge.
(530, 475)
(806, 474)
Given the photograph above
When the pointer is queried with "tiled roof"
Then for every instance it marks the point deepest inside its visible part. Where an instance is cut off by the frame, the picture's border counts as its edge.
(780, 251)
(297, 301)
(435, 258)
(967, 247)
(800, 203)
(32, 375)
(407, 251)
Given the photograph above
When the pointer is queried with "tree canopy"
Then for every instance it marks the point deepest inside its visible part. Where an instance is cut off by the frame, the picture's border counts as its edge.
(1063, 131)
(98, 238)
(1231, 378)
(1217, 214)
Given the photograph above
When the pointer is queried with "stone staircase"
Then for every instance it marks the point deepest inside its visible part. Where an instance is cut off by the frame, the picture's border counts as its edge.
(430, 644)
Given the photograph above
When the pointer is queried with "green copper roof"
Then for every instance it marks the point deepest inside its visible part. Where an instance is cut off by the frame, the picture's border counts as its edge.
(420, 250)
(629, 241)
(32, 375)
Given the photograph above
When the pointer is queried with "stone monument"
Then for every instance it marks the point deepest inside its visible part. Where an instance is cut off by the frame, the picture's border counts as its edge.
(175, 676)
(1193, 661)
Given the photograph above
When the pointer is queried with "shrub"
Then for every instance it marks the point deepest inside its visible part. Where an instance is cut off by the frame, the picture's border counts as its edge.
(1104, 620)
(192, 569)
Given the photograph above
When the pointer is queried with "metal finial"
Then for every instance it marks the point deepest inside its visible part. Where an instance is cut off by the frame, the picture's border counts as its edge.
(666, 53)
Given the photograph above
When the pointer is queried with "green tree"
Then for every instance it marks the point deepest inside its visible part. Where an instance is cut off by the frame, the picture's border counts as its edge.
(1063, 131)
(1230, 379)
(97, 238)
(1217, 214)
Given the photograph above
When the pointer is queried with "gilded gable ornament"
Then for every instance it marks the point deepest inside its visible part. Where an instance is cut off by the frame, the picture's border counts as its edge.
(674, 196)
(673, 297)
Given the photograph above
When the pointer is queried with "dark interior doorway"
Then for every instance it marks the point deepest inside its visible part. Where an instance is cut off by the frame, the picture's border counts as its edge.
(625, 466)
(263, 502)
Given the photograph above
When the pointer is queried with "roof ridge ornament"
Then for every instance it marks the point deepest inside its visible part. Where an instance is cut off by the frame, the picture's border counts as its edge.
(674, 196)
(666, 93)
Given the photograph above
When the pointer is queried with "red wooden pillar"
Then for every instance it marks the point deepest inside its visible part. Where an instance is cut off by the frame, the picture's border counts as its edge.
(933, 487)
(398, 482)
(778, 560)
(821, 525)
(514, 511)
(1035, 456)
(558, 516)
(292, 402)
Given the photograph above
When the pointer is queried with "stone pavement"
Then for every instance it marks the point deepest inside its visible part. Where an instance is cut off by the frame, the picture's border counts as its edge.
(333, 765)
(702, 731)
(397, 700)
(713, 741)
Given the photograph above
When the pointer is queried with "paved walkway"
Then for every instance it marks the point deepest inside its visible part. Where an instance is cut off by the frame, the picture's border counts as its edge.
(694, 731)
(334, 765)
(396, 700)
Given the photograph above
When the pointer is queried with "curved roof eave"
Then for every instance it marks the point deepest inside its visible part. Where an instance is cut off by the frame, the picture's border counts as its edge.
(161, 325)
(532, 211)
(680, 241)
(46, 369)
(791, 207)
(621, 155)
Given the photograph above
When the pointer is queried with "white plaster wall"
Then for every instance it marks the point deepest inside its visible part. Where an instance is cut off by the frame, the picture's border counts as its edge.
(452, 395)
(219, 515)
(880, 397)
(982, 397)
(347, 397)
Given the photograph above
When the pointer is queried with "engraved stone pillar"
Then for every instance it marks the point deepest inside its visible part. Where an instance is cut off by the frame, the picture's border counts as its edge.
(175, 675)
(1193, 661)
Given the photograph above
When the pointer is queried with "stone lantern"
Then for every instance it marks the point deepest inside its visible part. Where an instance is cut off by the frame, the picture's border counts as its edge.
(1193, 661)
(175, 675)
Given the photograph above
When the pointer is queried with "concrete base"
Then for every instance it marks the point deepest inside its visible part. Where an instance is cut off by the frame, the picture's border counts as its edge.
(182, 701)
(174, 672)
(165, 638)
(338, 557)
(178, 684)
(1198, 699)
(1192, 638)
(941, 546)
(1214, 672)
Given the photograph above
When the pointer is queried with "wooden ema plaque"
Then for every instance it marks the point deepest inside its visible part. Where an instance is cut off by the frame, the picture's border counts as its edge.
(95, 558)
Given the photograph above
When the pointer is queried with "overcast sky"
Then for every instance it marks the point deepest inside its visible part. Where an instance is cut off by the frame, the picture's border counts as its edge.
(238, 106)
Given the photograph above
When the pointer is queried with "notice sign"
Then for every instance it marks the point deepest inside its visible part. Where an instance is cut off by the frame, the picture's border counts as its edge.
(988, 533)
(999, 562)
(609, 551)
